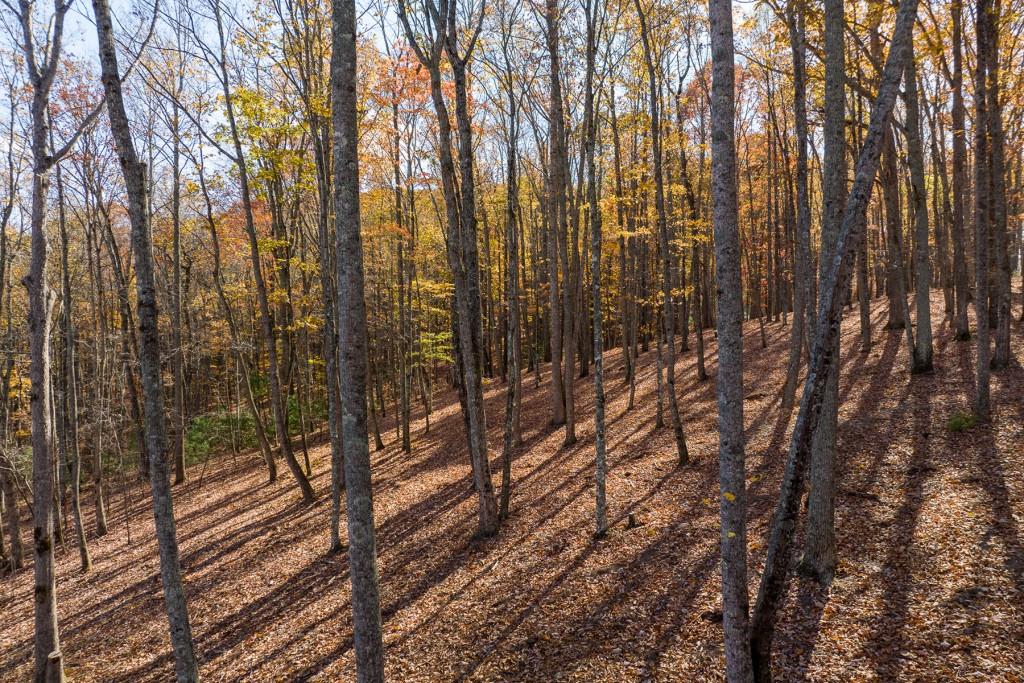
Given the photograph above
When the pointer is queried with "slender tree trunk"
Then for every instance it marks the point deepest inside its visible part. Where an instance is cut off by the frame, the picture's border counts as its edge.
(922, 351)
(1001, 239)
(668, 308)
(774, 580)
(40, 308)
(70, 384)
(819, 558)
(982, 205)
(134, 172)
(797, 36)
(352, 350)
(512, 344)
(729, 384)
(177, 352)
(958, 230)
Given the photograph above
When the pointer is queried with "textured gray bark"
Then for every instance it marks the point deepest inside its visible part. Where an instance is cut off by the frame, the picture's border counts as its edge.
(594, 17)
(460, 241)
(665, 241)
(335, 417)
(802, 275)
(352, 350)
(958, 231)
(922, 351)
(558, 191)
(729, 383)
(71, 385)
(134, 172)
(1001, 356)
(774, 579)
(513, 397)
(40, 307)
(819, 558)
(982, 207)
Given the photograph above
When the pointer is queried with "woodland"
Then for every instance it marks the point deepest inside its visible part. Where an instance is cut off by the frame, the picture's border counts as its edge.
(487, 340)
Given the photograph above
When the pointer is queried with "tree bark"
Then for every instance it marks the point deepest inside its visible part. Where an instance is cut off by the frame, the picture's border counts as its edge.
(729, 384)
(774, 580)
(134, 172)
(352, 350)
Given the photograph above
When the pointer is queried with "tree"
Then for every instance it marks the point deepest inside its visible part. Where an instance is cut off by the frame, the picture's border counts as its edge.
(668, 305)
(134, 172)
(774, 579)
(352, 349)
(42, 63)
(441, 38)
(819, 558)
(729, 385)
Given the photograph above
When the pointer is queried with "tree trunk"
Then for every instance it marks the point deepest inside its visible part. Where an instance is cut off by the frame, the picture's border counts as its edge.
(134, 173)
(982, 204)
(40, 307)
(801, 291)
(71, 385)
(352, 350)
(958, 231)
(922, 351)
(729, 384)
(774, 580)
(668, 305)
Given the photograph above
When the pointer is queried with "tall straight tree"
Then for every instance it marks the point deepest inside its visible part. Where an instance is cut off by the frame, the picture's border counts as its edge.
(958, 232)
(435, 39)
(70, 406)
(922, 350)
(795, 18)
(41, 63)
(352, 349)
(729, 385)
(135, 179)
(665, 241)
(820, 553)
(982, 204)
(774, 580)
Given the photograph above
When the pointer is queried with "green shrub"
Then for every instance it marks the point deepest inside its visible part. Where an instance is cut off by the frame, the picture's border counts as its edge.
(961, 422)
(212, 433)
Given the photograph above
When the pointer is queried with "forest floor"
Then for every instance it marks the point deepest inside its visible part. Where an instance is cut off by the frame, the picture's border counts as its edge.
(930, 582)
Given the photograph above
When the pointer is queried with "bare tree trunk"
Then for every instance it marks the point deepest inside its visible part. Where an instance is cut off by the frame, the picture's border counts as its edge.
(797, 36)
(177, 352)
(134, 172)
(40, 308)
(922, 351)
(353, 351)
(774, 580)
(1001, 263)
(668, 308)
(558, 185)
(982, 204)
(594, 11)
(729, 384)
(819, 558)
(513, 397)
(461, 247)
(70, 384)
(958, 231)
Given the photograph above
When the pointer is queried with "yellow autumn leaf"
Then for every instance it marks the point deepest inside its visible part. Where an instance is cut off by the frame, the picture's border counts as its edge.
(729, 496)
